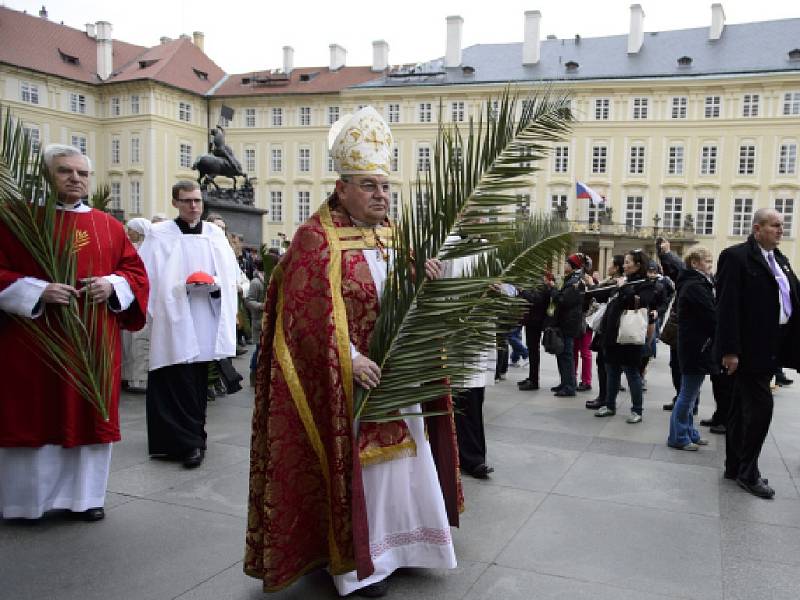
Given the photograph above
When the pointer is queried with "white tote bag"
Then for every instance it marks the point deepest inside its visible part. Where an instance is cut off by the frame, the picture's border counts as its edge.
(633, 327)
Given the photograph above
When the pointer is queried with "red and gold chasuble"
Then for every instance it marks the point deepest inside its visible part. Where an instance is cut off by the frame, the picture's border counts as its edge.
(306, 503)
(37, 406)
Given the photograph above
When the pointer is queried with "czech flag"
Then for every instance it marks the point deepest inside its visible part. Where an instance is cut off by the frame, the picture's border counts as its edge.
(584, 191)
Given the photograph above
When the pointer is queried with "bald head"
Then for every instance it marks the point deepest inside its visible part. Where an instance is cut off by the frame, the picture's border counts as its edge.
(768, 228)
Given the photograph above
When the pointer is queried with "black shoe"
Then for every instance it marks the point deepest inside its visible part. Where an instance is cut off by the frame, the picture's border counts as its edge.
(556, 388)
(706, 422)
(526, 380)
(211, 395)
(669, 406)
(562, 394)
(621, 388)
(783, 381)
(718, 429)
(759, 488)
(194, 459)
(527, 386)
(374, 590)
(481, 471)
(763, 480)
(595, 404)
(219, 388)
(583, 387)
(92, 515)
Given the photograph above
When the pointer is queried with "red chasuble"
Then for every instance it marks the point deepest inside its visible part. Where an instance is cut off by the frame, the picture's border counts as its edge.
(306, 501)
(37, 406)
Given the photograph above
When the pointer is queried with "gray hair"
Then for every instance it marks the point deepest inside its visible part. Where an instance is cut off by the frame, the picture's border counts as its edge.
(762, 215)
(54, 151)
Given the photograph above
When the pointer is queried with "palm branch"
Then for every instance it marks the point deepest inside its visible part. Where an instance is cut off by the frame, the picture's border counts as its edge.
(71, 338)
(429, 332)
(101, 198)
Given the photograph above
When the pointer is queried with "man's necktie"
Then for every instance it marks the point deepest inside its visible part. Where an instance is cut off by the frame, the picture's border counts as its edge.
(783, 284)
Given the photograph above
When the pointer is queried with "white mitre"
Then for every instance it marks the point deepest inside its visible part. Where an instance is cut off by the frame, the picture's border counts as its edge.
(361, 144)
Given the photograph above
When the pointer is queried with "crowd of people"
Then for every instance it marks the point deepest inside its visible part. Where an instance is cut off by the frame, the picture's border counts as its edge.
(361, 499)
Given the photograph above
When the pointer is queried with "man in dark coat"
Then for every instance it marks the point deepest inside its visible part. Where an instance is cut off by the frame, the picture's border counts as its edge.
(538, 299)
(569, 320)
(758, 302)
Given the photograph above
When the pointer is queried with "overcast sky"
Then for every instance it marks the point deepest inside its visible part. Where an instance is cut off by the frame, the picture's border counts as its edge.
(246, 35)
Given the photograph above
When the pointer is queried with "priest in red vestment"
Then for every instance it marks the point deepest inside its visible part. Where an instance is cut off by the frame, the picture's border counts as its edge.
(321, 497)
(55, 447)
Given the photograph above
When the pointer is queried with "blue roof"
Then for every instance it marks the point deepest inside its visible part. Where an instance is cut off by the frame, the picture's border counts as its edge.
(743, 48)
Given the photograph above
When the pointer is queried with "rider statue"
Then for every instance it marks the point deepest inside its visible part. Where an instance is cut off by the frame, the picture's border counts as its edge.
(222, 150)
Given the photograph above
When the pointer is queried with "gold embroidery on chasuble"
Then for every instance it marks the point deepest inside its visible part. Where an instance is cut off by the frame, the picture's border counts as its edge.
(80, 239)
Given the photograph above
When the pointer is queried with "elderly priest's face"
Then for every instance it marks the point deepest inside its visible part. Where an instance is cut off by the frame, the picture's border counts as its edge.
(71, 175)
(365, 197)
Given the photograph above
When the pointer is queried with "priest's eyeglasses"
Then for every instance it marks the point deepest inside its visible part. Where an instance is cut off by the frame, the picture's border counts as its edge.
(370, 187)
(190, 200)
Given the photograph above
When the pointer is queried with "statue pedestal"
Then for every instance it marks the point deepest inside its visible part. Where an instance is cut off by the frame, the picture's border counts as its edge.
(244, 219)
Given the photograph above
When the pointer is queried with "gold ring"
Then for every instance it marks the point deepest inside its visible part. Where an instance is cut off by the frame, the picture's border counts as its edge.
(364, 377)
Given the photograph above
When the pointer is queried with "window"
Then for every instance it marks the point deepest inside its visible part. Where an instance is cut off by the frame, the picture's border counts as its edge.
(34, 135)
(636, 163)
(704, 223)
(115, 106)
(77, 103)
(29, 92)
(224, 121)
(457, 111)
(276, 160)
(277, 117)
(742, 216)
(134, 105)
(747, 159)
(394, 206)
(791, 103)
(787, 159)
(634, 211)
(558, 203)
(526, 153)
(185, 112)
(421, 203)
(640, 108)
(304, 160)
(673, 212)
(601, 109)
(424, 158)
(393, 113)
(708, 160)
(249, 117)
(79, 142)
(425, 112)
(599, 159)
(750, 105)
(250, 160)
(116, 195)
(523, 208)
(186, 156)
(115, 151)
(136, 197)
(712, 107)
(305, 116)
(561, 159)
(785, 206)
(333, 114)
(679, 104)
(135, 152)
(394, 161)
(494, 109)
(675, 160)
(331, 165)
(276, 206)
(303, 206)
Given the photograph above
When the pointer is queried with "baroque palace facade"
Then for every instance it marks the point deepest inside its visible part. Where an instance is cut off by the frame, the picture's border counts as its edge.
(685, 133)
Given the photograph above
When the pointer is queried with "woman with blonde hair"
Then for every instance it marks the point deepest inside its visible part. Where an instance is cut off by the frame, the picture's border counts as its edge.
(697, 320)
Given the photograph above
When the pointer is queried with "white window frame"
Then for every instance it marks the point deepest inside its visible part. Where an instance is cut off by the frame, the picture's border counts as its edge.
(704, 215)
(185, 155)
(634, 211)
(333, 114)
(750, 105)
(276, 159)
(115, 195)
(786, 205)
(637, 156)
(791, 103)
(599, 159)
(77, 103)
(680, 106)
(561, 159)
(394, 205)
(134, 102)
(276, 206)
(747, 159)
(425, 112)
(787, 158)
(78, 140)
(741, 220)
(423, 158)
(713, 107)
(277, 116)
(250, 163)
(136, 150)
(136, 197)
(185, 112)
(394, 159)
(304, 116)
(557, 200)
(708, 159)
(115, 106)
(35, 136)
(115, 151)
(673, 212)
(640, 106)
(675, 159)
(250, 117)
(602, 109)
(304, 159)
(393, 112)
(458, 111)
(29, 92)
(303, 206)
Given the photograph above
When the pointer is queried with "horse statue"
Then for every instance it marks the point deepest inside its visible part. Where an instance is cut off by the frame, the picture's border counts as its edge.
(221, 162)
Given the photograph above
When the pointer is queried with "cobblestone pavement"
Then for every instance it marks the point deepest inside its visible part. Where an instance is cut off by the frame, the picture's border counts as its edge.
(578, 508)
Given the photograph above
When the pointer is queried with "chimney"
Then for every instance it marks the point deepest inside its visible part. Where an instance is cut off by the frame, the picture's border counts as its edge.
(380, 55)
(717, 21)
(199, 39)
(452, 55)
(185, 36)
(288, 59)
(530, 43)
(90, 31)
(338, 57)
(43, 12)
(164, 39)
(636, 34)
(105, 61)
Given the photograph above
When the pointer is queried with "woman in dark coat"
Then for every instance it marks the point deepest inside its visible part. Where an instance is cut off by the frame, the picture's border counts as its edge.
(538, 299)
(697, 320)
(637, 291)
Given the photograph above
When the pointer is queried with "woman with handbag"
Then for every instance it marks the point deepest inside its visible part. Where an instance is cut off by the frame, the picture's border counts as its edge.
(697, 321)
(627, 326)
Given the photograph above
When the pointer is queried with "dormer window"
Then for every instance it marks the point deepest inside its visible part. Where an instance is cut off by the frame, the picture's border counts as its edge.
(200, 74)
(571, 65)
(68, 58)
(143, 64)
(794, 54)
(308, 76)
(685, 61)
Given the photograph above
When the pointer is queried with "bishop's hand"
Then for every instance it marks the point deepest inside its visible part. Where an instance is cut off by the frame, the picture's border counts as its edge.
(366, 373)
(58, 293)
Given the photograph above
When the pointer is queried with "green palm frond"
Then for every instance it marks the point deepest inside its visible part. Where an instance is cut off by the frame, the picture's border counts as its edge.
(101, 198)
(70, 338)
(466, 208)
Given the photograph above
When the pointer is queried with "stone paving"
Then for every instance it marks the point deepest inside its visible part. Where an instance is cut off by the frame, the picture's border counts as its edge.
(578, 508)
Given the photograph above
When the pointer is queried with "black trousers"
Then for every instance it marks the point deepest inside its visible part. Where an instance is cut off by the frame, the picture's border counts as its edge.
(675, 370)
(722, 386)
(748, 423)
(469, 428)
(176, 409)
(600, 360)
(533, 339)
(501, 367)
